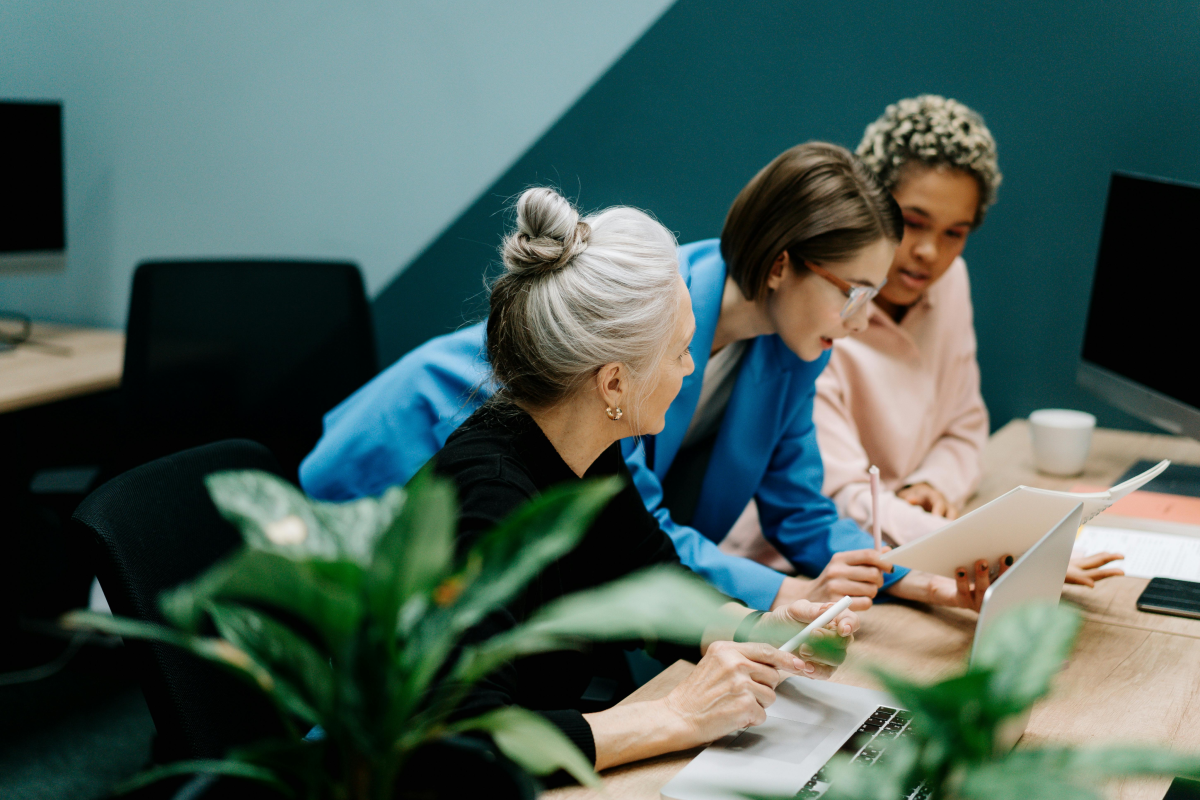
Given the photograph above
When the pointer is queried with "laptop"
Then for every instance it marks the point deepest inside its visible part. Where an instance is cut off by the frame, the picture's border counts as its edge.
(812, 721)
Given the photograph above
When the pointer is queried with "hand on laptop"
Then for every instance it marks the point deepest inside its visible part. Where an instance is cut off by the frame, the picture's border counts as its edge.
(858, 573)
(729, 689)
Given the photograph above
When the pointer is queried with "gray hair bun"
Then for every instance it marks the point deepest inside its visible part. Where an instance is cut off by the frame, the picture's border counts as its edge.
(549, 234)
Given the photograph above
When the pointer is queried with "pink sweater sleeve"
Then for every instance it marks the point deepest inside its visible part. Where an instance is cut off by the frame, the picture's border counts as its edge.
(954, 465)
(847, 481)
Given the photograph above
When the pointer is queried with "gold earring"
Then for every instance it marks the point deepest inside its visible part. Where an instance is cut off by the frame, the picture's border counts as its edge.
(614, 414)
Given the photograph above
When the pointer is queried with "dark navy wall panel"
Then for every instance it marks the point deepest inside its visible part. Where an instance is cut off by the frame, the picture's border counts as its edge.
(715, 89)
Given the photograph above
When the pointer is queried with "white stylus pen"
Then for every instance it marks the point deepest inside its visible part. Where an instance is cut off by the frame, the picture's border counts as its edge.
(794, 643)
(876, 530)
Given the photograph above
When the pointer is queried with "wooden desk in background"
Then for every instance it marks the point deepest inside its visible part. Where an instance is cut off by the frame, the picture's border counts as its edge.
(60, 362)
(1133, 677)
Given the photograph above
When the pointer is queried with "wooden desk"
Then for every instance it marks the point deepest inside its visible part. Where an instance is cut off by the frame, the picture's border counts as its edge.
(1008, 462)
(60, 362)
(1008, 459)
(1132, 678)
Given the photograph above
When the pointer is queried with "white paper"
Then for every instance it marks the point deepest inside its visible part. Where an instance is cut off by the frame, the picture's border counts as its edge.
(1007, 526)
(1147, 555)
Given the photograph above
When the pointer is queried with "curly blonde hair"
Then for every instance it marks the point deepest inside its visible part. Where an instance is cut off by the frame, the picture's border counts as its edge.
(937, 132)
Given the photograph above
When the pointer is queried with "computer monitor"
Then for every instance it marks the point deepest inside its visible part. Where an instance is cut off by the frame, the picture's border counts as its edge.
(33, 226)
(1139, 347)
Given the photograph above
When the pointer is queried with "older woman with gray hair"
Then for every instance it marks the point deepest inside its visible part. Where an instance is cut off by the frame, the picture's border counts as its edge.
(588, 341)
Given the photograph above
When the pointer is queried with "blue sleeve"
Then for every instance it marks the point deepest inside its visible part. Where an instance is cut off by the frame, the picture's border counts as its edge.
(385, 432)
(796, 518)
(754, 584)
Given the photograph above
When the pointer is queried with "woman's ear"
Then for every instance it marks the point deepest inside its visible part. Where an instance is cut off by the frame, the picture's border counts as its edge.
(612, 384)
(782, 263)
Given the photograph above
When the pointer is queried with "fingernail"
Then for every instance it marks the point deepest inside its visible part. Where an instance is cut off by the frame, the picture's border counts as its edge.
(797, 663)
(809, 669)
(1008, 561)
(962, 573)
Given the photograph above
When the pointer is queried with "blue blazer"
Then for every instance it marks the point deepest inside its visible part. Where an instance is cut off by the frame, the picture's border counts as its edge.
(766, 448)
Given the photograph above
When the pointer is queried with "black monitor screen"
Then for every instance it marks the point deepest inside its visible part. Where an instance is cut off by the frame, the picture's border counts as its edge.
(31, 192)
(1140, 322)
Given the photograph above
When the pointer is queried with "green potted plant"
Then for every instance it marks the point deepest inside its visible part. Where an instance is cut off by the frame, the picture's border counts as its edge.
(959, 750)
(349, 617)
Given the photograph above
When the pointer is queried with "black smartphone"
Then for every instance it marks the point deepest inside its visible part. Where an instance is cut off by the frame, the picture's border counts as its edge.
(1169, 596)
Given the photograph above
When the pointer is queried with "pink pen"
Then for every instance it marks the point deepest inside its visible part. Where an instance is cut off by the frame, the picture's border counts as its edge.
(875, 529)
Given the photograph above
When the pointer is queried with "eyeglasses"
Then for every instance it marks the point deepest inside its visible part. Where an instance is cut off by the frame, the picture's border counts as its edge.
(856, 296)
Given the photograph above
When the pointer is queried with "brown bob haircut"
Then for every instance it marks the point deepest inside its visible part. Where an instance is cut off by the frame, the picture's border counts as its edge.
(818, 202)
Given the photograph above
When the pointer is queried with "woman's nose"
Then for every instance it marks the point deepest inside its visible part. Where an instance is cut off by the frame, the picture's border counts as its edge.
(857, 322)
(926, 250)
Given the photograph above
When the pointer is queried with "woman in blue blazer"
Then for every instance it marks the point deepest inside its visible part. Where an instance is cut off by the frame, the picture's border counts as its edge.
(806, 245)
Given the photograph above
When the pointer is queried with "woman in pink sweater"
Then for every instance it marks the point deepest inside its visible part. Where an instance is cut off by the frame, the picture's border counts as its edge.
(904, 393)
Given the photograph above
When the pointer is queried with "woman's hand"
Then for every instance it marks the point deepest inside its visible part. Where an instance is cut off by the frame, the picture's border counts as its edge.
(820, 662)
(1086, 570)
(858, 573)
(730, 688)
(928, 498)
(965, 591)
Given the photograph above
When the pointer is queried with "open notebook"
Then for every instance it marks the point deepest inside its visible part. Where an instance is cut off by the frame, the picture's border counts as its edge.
(1009, 525)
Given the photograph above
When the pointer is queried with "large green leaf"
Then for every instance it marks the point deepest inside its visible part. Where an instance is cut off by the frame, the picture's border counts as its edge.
(416, 551)
(227, 767)
(1024, 650)
(217, 650)
(953, 713)
(275, 516)
(323, 593)
(885, 780)
(1083, 766)
(358, 524)
(531, 741)
(499, 566)
(272, 514)
(302, 761)
(988, 784)
(536, 534)
(304, 680)
(661, 603)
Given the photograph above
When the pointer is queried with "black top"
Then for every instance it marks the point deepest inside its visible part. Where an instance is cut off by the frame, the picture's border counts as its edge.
(499, 459)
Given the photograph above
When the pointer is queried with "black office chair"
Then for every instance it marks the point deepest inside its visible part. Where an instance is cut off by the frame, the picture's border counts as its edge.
(156, 527)
(241, 349)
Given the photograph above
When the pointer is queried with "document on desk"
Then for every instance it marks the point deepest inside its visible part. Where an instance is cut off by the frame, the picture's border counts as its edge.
(1147, 555)
(1007, 526)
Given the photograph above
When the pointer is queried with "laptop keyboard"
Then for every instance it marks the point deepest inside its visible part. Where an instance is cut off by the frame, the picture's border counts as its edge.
(868, 746)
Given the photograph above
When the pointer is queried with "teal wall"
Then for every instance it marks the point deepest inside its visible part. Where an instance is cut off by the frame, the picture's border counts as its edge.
(715, 89)
(351, 130)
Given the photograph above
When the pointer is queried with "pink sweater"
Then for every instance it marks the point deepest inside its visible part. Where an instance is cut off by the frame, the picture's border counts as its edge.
(905, 397)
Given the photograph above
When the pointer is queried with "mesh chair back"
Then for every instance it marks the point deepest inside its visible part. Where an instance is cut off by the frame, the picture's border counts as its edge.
(242, 349)
(156, 527)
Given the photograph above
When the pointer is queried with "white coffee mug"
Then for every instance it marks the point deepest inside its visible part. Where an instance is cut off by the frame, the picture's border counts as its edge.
(1061, 440)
